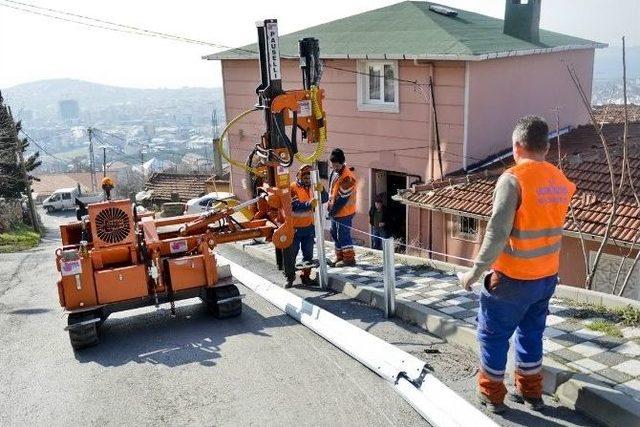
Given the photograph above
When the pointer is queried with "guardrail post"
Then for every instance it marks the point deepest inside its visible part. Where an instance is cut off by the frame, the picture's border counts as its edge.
(389, 271)
(319, 227)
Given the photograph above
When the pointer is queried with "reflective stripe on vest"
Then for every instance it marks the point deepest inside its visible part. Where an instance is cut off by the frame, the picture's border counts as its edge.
(301, 219)
(533, 250)
(343, 185)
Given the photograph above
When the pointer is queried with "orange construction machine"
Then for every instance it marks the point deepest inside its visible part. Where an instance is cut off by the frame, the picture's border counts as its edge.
(115, 259)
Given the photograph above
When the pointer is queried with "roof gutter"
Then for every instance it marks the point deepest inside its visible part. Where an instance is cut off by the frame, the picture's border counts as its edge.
(431, 57)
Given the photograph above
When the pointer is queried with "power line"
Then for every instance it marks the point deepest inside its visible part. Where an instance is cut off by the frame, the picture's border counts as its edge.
(108, 25)
(113, 26)
(118, 137)
(117, 151)
(413, 82)
(113, 135)
(356, 152)
(129, 29)
(41, 148)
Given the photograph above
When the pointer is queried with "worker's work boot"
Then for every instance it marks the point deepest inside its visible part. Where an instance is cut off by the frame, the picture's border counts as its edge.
(308, 281)
(491, 392)
(533, 403)
(529, 390)
(493, 407)
(339, 258)
(290, 279)
(348, 258)
(344, 263)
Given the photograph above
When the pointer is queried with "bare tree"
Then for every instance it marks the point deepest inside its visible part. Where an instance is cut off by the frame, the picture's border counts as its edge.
(605, 146)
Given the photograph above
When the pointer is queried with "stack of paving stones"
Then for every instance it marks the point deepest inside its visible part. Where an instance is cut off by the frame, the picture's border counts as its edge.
(567, 340)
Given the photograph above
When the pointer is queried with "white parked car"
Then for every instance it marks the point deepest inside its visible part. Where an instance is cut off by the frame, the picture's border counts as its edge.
(209, 202)
(65, 198)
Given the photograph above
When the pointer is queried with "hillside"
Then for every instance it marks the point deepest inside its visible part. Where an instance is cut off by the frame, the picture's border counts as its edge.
(42, 97)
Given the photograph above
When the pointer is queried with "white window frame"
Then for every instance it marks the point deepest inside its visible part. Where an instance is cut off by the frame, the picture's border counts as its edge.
(366, 104)
(457, 233)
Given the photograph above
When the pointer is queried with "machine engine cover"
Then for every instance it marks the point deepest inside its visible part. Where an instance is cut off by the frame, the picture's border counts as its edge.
(111, 223)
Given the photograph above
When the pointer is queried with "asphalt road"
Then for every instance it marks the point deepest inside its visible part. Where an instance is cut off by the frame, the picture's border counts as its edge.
(262, 368)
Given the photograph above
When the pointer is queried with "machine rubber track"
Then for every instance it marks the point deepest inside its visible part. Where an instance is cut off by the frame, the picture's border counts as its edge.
(227, 309)
(82, 336)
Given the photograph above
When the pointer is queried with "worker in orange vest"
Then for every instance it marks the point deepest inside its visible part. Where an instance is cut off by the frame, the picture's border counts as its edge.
(342, 208)
(303, 204)
(522, 246)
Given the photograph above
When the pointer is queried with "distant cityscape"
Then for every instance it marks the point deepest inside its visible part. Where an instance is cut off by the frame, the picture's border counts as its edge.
(151, 130)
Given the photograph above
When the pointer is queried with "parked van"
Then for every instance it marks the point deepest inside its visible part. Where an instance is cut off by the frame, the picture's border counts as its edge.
(65, 198)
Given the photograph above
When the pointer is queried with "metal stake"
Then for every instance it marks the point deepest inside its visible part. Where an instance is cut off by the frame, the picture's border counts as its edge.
(389, 271)
(318, 219)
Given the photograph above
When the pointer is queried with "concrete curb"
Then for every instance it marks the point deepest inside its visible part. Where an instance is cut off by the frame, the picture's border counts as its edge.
(599, 401)
(578, 391)
(594, 297)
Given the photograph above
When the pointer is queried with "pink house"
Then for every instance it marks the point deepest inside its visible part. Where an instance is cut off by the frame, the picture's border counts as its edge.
(381, 109)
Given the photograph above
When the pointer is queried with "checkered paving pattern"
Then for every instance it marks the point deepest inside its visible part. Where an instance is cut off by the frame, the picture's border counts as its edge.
(567, 340)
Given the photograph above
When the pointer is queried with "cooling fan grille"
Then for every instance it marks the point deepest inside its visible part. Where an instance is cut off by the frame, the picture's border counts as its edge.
(112, 225)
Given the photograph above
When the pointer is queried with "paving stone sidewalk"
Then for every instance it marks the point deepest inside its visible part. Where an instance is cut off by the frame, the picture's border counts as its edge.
(567, 339)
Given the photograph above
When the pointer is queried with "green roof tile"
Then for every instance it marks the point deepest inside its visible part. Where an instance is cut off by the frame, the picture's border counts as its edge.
(410, 30)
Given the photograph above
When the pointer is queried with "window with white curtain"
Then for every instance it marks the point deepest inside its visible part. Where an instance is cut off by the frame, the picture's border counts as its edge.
(378, 86)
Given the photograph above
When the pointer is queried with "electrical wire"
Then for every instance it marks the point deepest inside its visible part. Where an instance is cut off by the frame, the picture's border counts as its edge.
(30, 139)
(130, 29)
(108, 25)
(413, 82)
(113, 135)
(117, 151)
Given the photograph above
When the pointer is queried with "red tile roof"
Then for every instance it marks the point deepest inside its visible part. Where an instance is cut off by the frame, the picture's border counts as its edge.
(51, 182)
(583, 162)
(614, 113)
(188, 186)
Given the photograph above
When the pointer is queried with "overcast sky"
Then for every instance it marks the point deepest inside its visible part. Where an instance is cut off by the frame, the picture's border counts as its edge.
(35, 47)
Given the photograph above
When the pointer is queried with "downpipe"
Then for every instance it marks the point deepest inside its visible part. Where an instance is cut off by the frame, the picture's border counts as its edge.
(410, 376)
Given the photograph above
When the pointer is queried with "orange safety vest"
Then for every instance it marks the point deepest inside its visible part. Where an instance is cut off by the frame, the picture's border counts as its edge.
(533, 250)
(343, 185)
(301, 194)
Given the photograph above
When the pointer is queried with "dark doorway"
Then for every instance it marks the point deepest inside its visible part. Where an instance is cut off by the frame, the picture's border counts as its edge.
(397, 211)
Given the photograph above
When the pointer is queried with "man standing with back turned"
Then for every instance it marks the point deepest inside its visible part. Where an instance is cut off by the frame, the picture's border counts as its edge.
(522, 246)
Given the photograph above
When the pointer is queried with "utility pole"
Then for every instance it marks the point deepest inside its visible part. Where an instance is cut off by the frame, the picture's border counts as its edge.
(142, 171)
(92, 161)
(31, 206)
(104, 161)
(217, 156)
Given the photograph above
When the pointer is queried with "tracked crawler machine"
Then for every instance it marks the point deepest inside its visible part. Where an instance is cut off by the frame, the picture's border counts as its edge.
(114, 259)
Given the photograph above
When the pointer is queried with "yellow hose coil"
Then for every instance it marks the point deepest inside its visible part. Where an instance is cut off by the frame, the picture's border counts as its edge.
(221, 139)
(322, 132)
(322, 136)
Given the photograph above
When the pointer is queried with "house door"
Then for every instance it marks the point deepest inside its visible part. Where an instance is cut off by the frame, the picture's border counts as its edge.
(397, 212)
(386, 184)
